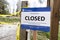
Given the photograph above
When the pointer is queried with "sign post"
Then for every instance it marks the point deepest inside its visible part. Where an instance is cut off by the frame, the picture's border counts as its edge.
(55, 20)
(34, 35)
(36, 19)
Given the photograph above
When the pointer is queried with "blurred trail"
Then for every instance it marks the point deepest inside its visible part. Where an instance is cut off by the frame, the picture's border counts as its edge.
(8, 32)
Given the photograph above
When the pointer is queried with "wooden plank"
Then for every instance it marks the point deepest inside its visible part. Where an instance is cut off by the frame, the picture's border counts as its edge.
(24, 4)
(51, 3)
(34, 35)
(54, 20)
(48, 2)
(23, 34)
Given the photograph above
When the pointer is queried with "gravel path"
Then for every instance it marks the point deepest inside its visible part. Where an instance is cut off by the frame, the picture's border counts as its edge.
(8, 32)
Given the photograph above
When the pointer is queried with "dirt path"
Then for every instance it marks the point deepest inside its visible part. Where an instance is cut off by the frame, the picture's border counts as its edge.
(8, 32)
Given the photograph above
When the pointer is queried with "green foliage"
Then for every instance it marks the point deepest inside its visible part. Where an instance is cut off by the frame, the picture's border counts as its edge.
(48, 35)
(3, 6)
(42, 35)
(9, 20)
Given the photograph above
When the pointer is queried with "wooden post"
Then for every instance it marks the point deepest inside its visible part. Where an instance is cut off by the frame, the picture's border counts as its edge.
(54, 20)
(48, 2)
(23, 32)
(34, 35)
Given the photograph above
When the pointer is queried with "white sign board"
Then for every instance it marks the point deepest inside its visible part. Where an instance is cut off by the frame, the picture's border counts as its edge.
(39, 18)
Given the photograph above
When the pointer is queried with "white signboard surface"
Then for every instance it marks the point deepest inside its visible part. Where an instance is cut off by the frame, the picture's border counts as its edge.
(35, 18)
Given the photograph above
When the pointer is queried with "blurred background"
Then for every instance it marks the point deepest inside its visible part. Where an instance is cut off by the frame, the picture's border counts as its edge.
(9, 7)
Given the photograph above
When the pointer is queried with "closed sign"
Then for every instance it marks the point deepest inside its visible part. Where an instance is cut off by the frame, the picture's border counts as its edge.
(36, 18)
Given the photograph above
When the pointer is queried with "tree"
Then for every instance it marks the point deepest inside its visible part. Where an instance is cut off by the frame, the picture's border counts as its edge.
(3, 6)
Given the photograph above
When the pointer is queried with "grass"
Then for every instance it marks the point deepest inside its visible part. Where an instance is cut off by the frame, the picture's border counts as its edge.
(9, 19)
(59, 33)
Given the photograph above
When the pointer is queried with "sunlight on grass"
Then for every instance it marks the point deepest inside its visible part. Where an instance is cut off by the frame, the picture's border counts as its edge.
(9, 20)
